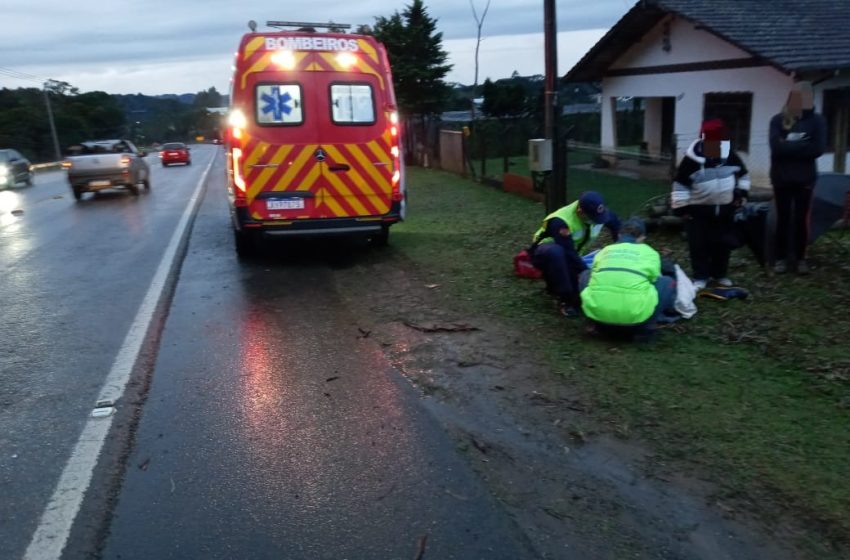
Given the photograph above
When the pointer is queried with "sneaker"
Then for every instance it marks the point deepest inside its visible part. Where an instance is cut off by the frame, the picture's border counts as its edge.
(700, 284)
(725, 282)
(803, 267)
(781, 267)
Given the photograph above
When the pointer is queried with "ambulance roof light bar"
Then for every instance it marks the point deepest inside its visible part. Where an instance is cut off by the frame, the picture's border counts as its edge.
(330, 26)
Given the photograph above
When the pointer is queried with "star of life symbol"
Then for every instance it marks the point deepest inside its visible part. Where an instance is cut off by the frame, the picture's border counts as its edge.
(276, 103)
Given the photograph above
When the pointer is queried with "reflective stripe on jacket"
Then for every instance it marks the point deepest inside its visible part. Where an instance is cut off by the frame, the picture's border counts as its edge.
(622, 289)
(581, 233)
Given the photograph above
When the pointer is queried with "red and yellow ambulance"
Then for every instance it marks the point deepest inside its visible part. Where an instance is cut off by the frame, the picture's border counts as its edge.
(313, 139)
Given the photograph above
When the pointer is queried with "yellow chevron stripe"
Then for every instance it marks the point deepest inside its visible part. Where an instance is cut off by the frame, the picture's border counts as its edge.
(253, 45)
(367, 48)
(261, 64)
(350, 197)
(379, 152)
(295, 167)
(358, 179)
(310, 178)
(325, 198)
(380, 181)
(266, 174)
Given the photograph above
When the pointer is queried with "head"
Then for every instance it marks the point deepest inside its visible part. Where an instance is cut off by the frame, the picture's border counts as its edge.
(716, 139)
(633, 230)
(591, 208)
(800, 98)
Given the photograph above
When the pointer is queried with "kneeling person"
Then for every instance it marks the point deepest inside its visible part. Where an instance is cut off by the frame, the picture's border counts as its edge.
(625, 289)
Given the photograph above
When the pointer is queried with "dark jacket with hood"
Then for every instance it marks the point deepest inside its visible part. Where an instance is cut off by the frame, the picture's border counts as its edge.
(794, 152)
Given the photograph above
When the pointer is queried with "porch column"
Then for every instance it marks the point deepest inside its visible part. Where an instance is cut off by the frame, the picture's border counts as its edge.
(609, 129)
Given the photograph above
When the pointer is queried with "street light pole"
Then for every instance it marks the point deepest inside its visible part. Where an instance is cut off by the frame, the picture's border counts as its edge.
(556, 193)
(52, 124)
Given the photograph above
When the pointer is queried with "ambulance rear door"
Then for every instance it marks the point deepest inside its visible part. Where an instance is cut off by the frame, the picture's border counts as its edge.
(283, 162)
(357, 175)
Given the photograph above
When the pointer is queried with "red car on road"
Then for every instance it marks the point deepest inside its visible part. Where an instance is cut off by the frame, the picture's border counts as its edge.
(175, 152)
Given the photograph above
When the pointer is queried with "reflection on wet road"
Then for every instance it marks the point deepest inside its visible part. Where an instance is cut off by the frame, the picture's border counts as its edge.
(273, 429)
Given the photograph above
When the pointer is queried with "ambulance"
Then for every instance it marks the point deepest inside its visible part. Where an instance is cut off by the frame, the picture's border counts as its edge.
(313, 137)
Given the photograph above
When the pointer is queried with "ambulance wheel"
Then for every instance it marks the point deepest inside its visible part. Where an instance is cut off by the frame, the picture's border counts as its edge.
(246, 244)
(382, 239)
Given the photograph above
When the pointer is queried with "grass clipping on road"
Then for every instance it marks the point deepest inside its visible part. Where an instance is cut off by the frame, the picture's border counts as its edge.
(753, 394)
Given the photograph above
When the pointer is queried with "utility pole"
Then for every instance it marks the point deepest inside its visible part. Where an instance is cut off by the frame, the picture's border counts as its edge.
(556, 191)
(52, 124)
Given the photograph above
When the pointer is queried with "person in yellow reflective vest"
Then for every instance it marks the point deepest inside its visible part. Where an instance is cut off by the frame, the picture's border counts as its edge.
(559, 243)
(624, 291)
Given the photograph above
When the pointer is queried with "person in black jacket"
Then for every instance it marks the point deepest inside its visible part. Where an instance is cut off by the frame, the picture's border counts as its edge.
(711, 182)
(797, 139)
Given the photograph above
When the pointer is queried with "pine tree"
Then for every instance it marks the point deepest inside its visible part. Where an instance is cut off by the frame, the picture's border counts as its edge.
(417, 58)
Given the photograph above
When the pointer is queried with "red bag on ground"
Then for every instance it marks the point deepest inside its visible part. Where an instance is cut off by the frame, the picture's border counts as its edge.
(523, 267)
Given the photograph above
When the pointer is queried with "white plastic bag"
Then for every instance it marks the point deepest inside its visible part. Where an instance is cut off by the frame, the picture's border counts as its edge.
(686, 293)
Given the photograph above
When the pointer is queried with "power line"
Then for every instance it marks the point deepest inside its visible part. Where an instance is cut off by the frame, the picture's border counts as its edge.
(10, 73)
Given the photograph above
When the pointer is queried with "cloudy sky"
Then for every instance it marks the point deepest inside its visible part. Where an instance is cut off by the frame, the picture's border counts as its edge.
(178, 46)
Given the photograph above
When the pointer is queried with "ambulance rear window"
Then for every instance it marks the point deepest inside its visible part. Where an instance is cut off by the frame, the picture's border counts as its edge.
(278, 104)
(352, 104)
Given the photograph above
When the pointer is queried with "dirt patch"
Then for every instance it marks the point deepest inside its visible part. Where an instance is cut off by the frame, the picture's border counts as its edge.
(578, 487)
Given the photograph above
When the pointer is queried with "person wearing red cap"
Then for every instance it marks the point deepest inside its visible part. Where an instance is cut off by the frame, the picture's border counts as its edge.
(565, 235)
(710, 183)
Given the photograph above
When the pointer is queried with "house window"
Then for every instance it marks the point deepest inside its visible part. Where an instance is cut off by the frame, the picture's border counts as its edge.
(736, 110)
(836, 111)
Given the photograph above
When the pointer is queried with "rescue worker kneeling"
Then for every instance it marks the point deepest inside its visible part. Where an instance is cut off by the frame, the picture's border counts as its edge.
(565, 236)
(624, 292)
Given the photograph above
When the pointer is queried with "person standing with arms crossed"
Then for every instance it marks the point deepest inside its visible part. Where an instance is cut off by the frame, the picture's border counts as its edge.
(797, 139)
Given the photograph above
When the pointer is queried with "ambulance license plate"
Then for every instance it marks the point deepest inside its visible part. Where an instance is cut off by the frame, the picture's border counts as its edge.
(285, 204)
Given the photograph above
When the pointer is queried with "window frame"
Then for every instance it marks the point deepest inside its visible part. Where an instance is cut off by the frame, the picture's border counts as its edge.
(833, 99)
(284, 124)
(741, 136)
(352, 123)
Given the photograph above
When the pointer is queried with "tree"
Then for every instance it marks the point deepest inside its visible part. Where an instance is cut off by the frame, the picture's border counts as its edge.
(479, 23)
(417, 58)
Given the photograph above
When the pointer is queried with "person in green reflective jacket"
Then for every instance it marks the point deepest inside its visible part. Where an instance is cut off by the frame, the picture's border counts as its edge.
(625, 291)
(563, 238)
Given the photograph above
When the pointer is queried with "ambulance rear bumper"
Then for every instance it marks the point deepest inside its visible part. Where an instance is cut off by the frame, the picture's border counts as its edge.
(315, 227)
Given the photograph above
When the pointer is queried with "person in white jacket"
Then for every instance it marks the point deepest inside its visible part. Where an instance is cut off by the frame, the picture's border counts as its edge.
(711, 182)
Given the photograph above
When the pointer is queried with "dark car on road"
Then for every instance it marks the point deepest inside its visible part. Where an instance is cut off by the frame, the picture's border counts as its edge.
(175, 152)
(14, 169)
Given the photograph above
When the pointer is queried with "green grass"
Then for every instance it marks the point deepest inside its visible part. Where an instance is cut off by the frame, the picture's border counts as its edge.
(753, 394)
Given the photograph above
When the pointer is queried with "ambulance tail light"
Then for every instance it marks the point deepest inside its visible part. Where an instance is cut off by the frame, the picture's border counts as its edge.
(238, 179)
(238, 122)
(397, 195)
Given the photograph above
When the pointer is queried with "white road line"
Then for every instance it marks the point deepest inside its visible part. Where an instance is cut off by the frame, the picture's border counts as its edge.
(53, 529)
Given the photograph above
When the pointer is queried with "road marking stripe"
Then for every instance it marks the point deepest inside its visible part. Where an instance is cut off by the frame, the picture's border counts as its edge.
(58, 517)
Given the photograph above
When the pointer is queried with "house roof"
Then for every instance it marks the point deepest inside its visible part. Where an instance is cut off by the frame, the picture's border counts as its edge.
(792, 35)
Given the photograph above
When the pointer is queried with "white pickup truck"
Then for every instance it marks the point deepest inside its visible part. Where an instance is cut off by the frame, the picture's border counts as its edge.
(106, 164)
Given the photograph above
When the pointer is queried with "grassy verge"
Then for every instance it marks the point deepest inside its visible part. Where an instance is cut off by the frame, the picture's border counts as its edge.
(754, 394)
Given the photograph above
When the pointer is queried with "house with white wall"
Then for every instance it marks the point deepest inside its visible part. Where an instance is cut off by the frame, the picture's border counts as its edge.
(733, 59)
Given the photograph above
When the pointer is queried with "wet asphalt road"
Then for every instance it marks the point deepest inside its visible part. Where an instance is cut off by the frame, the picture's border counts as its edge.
(272, 428)
(72, 276)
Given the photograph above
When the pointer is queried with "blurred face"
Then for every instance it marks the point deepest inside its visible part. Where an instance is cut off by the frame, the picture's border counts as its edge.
(795, 103)
(711, 148)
